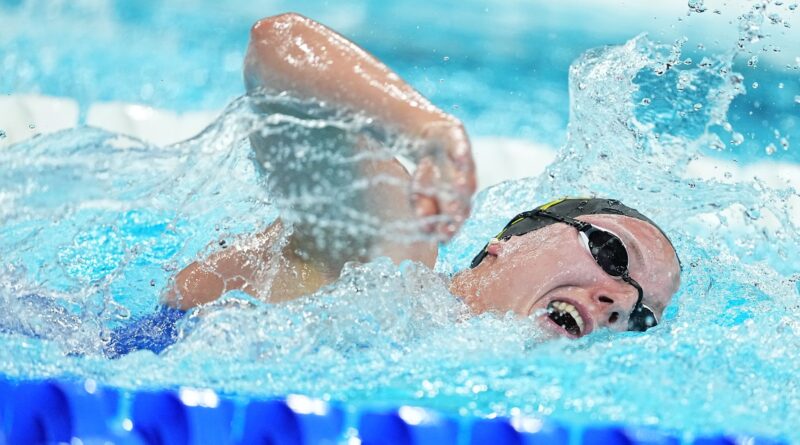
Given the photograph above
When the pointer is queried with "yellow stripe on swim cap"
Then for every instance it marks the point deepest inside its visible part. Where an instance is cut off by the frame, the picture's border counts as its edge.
(551, 204)
(558, 201)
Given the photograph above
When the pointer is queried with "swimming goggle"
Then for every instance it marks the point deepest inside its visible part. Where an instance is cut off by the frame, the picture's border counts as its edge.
(605, 247)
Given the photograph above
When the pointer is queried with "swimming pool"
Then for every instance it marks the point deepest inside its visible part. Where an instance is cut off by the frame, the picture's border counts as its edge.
(92, 231)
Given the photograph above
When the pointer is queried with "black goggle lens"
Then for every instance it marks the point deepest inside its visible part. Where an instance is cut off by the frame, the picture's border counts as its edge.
(608, 251)
(641, 319)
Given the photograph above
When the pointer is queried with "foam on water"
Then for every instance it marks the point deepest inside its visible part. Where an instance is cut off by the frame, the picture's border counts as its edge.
(95, 224)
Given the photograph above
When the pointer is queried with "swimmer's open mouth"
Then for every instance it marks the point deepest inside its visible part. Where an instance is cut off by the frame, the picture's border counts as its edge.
(567, 316)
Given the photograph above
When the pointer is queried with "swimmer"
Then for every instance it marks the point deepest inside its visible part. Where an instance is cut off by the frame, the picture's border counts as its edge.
(577, 264)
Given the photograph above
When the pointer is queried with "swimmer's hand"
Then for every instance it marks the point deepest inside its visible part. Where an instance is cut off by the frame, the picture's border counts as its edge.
(444, 180)
(292, 53)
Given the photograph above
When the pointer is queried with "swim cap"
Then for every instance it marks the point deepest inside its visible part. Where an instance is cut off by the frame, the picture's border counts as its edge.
(571, 208)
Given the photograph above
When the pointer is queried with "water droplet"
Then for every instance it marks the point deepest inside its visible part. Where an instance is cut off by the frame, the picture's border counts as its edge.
(753, 61)
(785, 143)
(697, 6)
(755, 85)
(646, 101)
(687, 61)
(697, 107)
(775, 18)
(728, 175)
(32, 126)
(793, 6)
(582, 86)
(152, 283)
(716, 144)
(780, 85)
(446, 58)
(737, 138)
(2, 134)
(770, 149)
(797, 99)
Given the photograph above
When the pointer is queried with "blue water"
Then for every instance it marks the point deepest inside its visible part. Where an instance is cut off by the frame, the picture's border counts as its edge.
(502, 69)
(95, 223)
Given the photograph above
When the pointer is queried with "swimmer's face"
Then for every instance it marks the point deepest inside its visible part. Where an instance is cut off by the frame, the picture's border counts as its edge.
(527, 273)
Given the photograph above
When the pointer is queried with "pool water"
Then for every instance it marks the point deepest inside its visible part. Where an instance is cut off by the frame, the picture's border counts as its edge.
(93, 224)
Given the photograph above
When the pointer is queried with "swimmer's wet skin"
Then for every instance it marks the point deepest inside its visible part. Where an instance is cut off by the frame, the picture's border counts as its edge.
(576, 264)
(606, 248)
(572, 315)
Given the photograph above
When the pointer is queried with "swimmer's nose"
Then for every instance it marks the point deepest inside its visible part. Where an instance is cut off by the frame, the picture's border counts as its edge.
(613, 311)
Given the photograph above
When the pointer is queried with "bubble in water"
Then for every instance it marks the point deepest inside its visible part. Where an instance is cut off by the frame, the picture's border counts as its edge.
(785, 143)
(793, 6)
(446, 58)
(780, 85)
(697, 6)
(32, 126)
(797, 99)
(755, 85)
(2, 134)
(646, 101)
(737, 138)
(753, 61)
(697, 106)
(770, 149)
(775, 19)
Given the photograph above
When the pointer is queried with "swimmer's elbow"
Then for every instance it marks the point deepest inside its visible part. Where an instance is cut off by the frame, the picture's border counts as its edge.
(194, 285)
(270, 39)
(277, 25)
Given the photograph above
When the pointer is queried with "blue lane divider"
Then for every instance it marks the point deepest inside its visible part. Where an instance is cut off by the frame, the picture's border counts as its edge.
(406, 426)
(49, 412)
(270, 422)
(726, 440)
(648, 436)
(45, 412)
(620, 435)
(522, 431)
(298, 420)
(5, 399)
(190, 417)
(320, 423)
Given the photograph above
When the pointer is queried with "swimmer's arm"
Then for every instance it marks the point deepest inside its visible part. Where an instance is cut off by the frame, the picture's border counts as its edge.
(204, 281)
(235, 268)
(293, 53)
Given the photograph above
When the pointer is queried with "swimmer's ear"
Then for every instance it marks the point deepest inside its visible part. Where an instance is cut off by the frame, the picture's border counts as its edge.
(495, 247)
